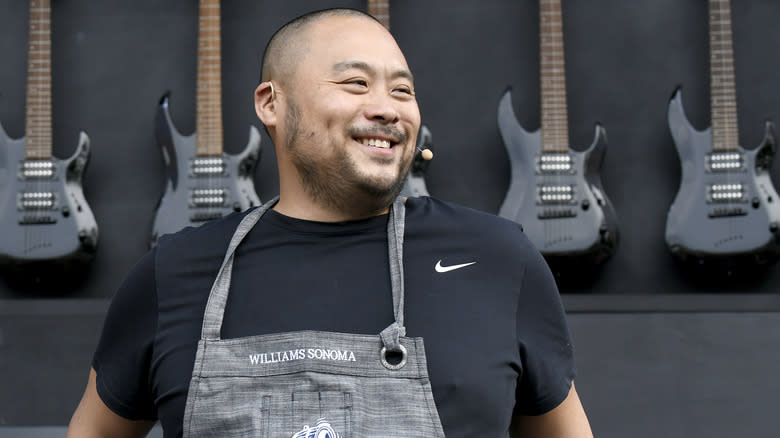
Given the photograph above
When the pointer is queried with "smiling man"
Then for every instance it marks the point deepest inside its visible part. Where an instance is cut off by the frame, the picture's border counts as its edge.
(338, 309)
(341, 109)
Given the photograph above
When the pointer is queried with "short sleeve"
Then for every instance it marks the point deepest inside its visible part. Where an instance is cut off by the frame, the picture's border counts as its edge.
(545, 344)
(122, 358)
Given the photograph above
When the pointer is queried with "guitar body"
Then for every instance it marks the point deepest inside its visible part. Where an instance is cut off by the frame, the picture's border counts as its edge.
(414, 185)
(565, 213)
(44, 215)
(719, 214)
(199, 189)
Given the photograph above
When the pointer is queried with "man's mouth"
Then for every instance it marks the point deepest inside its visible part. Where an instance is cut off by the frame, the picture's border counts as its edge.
(376, 142)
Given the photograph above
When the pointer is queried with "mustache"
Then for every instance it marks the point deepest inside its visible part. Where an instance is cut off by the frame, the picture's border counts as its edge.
(396, 135)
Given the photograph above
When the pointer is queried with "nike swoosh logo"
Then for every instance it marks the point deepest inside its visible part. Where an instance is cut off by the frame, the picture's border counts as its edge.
(440, 268)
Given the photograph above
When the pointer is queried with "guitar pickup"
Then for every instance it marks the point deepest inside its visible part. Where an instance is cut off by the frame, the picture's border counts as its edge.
(36, 201)
(725, 193)
(555, 163)
(725, 162)
(208, 198)
(555, 194)
(37, 169)
(210, 166)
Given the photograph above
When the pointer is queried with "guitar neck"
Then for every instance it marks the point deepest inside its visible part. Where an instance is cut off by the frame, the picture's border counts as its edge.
(723, 96)
(555, 126)
(380, 9)
(38, 129)
(209, 86)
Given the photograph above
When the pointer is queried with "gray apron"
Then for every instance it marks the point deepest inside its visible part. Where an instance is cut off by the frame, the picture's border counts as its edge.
(310, 384)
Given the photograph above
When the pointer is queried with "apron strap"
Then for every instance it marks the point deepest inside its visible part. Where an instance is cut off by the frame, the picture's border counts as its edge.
(215, 307)
(395, 239)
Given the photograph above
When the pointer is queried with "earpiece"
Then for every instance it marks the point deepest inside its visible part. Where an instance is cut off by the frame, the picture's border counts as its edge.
(273, 92)
(426, 154)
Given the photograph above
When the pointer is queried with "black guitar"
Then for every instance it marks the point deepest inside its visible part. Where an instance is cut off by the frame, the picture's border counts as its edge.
(203, 182)
(44, 215)
(726, 209)
(555, 192)
(414, 185)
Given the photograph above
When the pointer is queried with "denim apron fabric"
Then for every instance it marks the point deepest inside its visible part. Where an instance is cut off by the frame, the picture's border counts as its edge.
(310, 384)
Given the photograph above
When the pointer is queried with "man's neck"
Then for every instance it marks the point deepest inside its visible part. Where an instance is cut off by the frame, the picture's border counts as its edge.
(302, 207)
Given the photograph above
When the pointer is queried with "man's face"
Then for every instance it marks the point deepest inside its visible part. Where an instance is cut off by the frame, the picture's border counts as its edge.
(351, 117)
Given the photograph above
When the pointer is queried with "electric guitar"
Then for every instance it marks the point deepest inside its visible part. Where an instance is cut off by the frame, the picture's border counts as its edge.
(414, 185)
(726, 207)
(555, 192)
(203, 182)
(44, 215)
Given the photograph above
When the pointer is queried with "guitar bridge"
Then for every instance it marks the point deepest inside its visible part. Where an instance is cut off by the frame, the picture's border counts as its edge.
(727, 212)
(30, 219)
(556, 213)
(205, 216)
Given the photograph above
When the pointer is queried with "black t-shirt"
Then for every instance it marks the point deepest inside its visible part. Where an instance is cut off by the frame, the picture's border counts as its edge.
(495, 332)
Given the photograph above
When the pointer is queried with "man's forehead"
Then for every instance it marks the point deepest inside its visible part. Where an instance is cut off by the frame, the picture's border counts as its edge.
(334, 28)
(337, 43)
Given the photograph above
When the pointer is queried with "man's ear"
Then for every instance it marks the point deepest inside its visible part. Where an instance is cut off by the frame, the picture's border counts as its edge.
(265, 103)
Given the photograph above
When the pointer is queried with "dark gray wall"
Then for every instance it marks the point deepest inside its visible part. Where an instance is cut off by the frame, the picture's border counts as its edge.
(113, 61)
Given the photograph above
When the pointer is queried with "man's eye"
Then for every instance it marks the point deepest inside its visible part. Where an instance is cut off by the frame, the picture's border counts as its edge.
(359, 82)
(405, 90)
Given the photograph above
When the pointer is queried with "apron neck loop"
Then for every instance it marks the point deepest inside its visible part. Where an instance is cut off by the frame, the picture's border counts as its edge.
(395, 239)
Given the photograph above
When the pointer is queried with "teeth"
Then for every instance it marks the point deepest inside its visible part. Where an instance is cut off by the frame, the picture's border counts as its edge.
(377, 143)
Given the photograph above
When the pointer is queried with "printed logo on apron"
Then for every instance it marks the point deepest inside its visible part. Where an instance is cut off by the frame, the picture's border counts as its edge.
(322, 429)
(302, 354)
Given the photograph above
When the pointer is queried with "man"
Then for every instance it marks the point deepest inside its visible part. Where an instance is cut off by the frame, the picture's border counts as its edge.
(291, 320)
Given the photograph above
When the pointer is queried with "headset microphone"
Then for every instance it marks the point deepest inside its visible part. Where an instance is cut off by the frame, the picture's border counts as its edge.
(426, 154)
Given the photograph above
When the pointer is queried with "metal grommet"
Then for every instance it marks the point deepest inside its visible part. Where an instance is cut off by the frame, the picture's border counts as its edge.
(388, 365)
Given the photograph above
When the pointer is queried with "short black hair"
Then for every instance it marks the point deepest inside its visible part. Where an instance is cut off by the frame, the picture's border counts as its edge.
(281, 51)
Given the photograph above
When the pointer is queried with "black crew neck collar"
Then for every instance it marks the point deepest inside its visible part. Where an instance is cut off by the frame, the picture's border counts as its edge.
(375, 223)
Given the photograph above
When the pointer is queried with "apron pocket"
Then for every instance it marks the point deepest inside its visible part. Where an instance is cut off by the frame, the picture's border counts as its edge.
(308, 414)
(236, 410)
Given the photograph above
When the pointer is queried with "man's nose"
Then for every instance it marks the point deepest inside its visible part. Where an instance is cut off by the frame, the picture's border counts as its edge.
(382, 108)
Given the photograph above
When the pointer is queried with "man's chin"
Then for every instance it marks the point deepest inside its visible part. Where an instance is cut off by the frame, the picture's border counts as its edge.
(383, 189)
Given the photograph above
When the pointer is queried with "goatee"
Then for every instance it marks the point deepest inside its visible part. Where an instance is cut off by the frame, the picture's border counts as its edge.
(336, 183)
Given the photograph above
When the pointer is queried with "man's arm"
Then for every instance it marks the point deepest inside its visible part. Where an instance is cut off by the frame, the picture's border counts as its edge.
(93, 419)
(567, 420)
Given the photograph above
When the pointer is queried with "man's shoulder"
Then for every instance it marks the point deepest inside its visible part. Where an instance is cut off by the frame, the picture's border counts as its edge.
(450, 214)
(433, 217)
(211, 237)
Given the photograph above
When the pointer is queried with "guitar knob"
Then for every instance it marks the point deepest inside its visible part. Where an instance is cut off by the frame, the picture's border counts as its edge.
(236, 207)
(65, 211)
(585, 204)
(756, 202)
